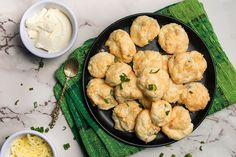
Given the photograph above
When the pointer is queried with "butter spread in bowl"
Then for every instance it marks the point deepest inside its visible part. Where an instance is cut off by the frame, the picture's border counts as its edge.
(50, 29)
(30, 146)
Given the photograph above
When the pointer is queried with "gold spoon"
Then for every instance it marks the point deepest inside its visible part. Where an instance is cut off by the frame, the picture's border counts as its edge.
(70, 70)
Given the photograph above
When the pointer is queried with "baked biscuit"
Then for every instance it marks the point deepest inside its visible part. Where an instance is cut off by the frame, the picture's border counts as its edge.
(128, 90)
(99, 63)
(146, 102)
(124, 115)
(118, 73)
(165, 59)
(143, 30)
(173, 38)
(101, 94)
(180, 125)
(187, 67)
(144, 128)
(121, 45)
(195, 96)
(173, 93)
(160, 112)
(153, 83)
(148, 58)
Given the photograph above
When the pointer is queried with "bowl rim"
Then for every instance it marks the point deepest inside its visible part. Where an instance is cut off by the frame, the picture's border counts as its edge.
(9, 140)
(40, 52)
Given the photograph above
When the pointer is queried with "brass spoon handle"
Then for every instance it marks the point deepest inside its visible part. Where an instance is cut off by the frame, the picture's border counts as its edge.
(56, 110)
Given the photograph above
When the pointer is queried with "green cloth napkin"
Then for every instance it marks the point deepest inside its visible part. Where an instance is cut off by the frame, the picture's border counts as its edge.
(97, 143)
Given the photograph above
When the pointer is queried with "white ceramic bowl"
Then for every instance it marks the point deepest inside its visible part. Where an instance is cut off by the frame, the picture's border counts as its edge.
(5, 151)
(36, 8)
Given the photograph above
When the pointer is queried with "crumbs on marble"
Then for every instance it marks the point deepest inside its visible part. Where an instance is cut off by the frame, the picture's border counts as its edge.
(21, 84)
(35, 104)
(202, 142)
(16, 102)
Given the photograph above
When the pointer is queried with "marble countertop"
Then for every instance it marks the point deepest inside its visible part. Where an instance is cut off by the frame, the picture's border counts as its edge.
(26, 82)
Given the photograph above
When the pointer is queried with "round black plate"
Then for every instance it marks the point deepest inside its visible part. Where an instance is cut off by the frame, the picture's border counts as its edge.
(104, 118)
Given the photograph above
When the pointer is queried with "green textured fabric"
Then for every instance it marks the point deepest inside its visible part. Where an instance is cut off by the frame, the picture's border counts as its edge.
(92, 139)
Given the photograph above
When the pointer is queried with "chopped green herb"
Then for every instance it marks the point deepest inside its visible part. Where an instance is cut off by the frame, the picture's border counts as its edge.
(152, 87)
(173, 155)
(30, 89)
(116, 59)
(140, 105)
(121, 87)
(202, 142)
(153, 71)
(161, 154)
(200, 148)
(112, 93)
(46, 130)
(64, 128)
(35, 104)
(165, 105)
(16, 103)
(169, 145)
(188, 155)
(167, 113)
(106, 101)
(66, 146)
(124, 78)
(190, 92)
(6, 137)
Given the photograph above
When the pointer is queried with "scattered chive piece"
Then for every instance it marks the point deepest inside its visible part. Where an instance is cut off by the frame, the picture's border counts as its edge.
(30, 89)
(190, 92)
(112, 93)
(188, 155)
(173, 155)
(140, 105)
(202, 142)
(124, 78)
(66, 146)
(200, 148)
(161, 154)
(106, 101)
(167, 113)
(116, 59)
(121, 87)
(16, 103)
(46, 130)
(152, 87)
(35, 104)
(64, 128)
(154, 72)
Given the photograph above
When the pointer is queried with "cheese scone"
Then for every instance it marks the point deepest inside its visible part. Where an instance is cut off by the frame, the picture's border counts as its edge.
(121, 45)
(195, 96)
(187, 67)
(173, 38)
(101, 94)
(143, 30)
(180, 125)
(124, 115)
(99, 64)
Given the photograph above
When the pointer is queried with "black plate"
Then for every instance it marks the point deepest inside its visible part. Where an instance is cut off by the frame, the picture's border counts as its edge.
(104, 118)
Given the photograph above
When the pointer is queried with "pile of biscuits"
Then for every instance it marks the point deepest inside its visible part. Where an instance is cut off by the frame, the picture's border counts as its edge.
(140, 86)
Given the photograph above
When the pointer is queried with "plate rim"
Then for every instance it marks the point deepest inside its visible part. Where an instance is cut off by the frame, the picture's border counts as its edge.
(84, 86)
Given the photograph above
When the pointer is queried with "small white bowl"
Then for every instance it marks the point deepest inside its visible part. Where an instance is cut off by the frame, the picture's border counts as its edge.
(5, 151)
(36, 8)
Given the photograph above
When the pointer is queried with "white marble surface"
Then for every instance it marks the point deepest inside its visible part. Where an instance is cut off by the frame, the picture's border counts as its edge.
(17, 66)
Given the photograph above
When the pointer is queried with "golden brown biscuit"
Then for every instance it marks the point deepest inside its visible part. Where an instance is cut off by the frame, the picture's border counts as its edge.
(173, 38)
(147, 58)
(128, 90)
(195, 96)
(187, 67)
(153, 83)
(144, 128)
(121, 45)
(118, 73)
(124, 115)
(173, 93)
(165, 59)
(180, 125)
(101, 94)
(99, 63)
(160, 112)
(143, 30)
